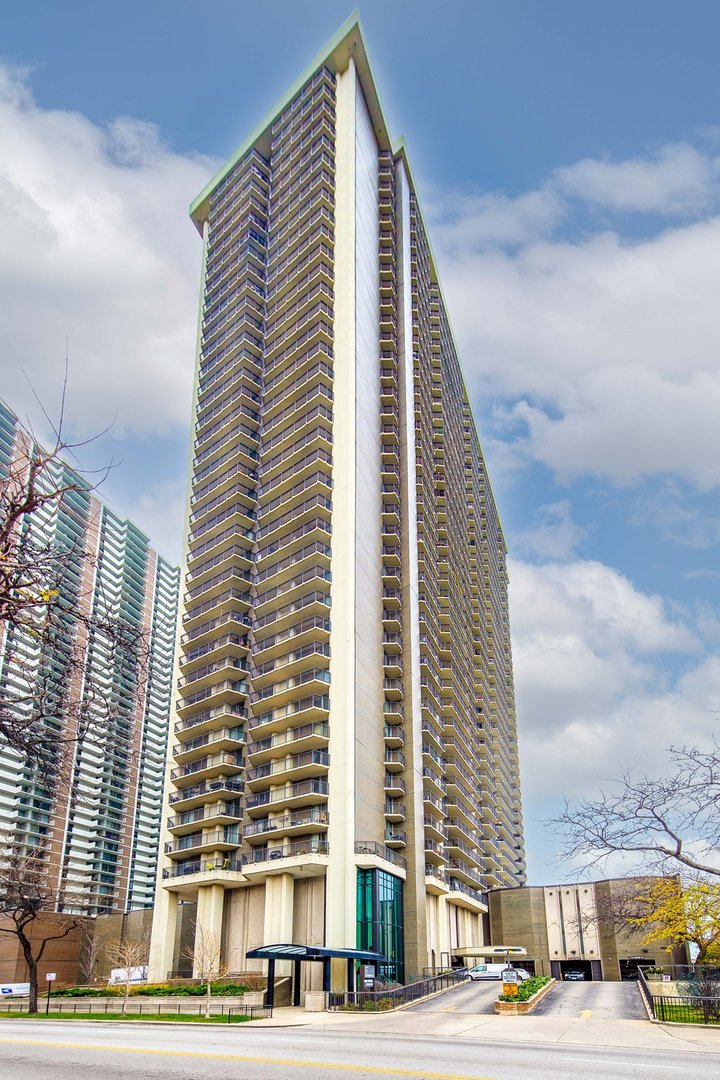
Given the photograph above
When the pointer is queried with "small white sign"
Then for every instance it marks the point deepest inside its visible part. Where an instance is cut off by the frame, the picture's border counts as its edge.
(132, 975)
(51, 976)
(18, 989)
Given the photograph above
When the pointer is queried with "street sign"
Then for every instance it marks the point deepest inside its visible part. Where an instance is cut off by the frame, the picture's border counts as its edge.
(51, 976)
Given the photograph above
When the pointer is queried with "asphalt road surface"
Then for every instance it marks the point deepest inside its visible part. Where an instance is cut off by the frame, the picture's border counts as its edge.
(32, 1050)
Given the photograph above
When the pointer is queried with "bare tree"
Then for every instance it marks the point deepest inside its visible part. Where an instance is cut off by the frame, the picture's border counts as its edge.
(24, 895)
(73, 668)
(131, 957)
(45, 614)
(665, 824)
(206, 955)
(93, 945)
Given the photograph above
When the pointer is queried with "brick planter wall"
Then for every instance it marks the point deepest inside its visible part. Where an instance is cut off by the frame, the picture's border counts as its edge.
(522, 1008)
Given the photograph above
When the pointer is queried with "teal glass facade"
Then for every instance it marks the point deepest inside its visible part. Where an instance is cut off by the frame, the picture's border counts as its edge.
(380, 920)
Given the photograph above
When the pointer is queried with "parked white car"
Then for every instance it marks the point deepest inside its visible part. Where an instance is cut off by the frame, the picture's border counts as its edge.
(494, 971)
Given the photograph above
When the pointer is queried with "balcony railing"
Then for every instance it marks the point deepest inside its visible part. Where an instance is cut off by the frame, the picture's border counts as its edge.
(370, 847)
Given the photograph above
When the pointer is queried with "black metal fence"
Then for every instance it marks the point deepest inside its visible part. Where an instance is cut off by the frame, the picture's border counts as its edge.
(699, 1006)
(85, 1006)
(686, 1010)
(380, 1000)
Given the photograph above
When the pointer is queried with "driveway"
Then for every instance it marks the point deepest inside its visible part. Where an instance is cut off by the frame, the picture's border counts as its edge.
(596, 1000)
(469, 997)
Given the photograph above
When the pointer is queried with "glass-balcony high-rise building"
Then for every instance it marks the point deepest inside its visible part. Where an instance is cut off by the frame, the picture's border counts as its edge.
(94, 811)
(344, 765)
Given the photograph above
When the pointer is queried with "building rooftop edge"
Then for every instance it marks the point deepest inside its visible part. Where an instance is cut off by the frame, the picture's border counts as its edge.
(347, 41)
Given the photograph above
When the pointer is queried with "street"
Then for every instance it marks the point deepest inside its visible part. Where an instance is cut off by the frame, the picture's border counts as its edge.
(80, 1051)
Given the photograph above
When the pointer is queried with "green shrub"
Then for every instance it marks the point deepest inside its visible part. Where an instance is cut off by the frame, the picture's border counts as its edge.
(527, 988)
(385, 1003)
(370, 1006)
(217, 989)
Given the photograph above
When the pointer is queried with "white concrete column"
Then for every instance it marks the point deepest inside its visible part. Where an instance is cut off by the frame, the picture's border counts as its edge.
(340, 927)
(279, 911)
(162, 941)
(210, 905)
(444, 911)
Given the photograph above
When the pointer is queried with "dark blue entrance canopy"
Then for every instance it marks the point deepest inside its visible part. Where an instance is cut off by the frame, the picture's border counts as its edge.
(310, 952)
(299, 953)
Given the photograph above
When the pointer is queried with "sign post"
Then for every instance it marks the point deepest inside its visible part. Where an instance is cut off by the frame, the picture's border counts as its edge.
(50, 977)
(510, 980)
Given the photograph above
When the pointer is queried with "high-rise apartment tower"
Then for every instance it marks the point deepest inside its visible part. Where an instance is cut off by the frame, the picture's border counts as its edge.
(94, 812)
(344, 768)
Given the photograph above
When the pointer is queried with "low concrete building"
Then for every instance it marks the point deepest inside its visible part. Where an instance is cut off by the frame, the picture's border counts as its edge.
(576, 927)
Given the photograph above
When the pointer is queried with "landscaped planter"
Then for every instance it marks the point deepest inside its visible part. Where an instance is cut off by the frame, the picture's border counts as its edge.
(521, 1008)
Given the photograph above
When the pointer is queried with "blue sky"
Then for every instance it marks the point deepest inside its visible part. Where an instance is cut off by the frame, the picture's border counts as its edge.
(568, 157)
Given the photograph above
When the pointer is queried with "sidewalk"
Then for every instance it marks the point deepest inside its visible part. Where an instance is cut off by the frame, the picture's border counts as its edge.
(636, 1034)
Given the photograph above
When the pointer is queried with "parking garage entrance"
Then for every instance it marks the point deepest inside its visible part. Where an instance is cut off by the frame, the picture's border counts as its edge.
(566, 969)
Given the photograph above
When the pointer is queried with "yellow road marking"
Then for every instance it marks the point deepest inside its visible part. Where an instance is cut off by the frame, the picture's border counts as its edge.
(585, 1014)
(378, 1070)
(450, 1008)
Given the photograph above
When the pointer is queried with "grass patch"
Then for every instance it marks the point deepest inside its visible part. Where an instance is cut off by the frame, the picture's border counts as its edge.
(683, 1014)
(185, 1018)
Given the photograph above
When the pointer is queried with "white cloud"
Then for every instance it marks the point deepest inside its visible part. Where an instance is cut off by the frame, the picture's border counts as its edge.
(678, 519)
(678, 179)
(94, 247)
(595, 694)
(604, 351)
(553, 534)
(471, 220)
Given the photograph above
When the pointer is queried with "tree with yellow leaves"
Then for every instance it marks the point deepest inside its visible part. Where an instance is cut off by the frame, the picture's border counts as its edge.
(681, 915)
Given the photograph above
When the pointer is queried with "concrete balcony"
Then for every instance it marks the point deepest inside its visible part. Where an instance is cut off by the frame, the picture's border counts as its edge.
(209, 767)
(284, 691)
(436, 880)
(394, 736)
(394, 810)
(199, 794)
(210, 720)
(304, 793)
(227, 693)
(394, 760)
(294, 740)
(202, 845)
(394, 785)
(395, 838)
(224, 646)
(288, 665)
(311, 764)
(286, 824)
(230, 739)
(312, 709)
(213, 671)
(202, 818)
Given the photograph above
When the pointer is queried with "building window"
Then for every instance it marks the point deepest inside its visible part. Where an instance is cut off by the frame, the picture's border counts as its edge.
(380, 920)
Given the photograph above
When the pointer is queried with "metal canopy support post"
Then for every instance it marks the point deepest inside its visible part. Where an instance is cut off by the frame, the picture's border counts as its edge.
(326, 973)
(351, 976)
(296, 982)
(271, 984)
